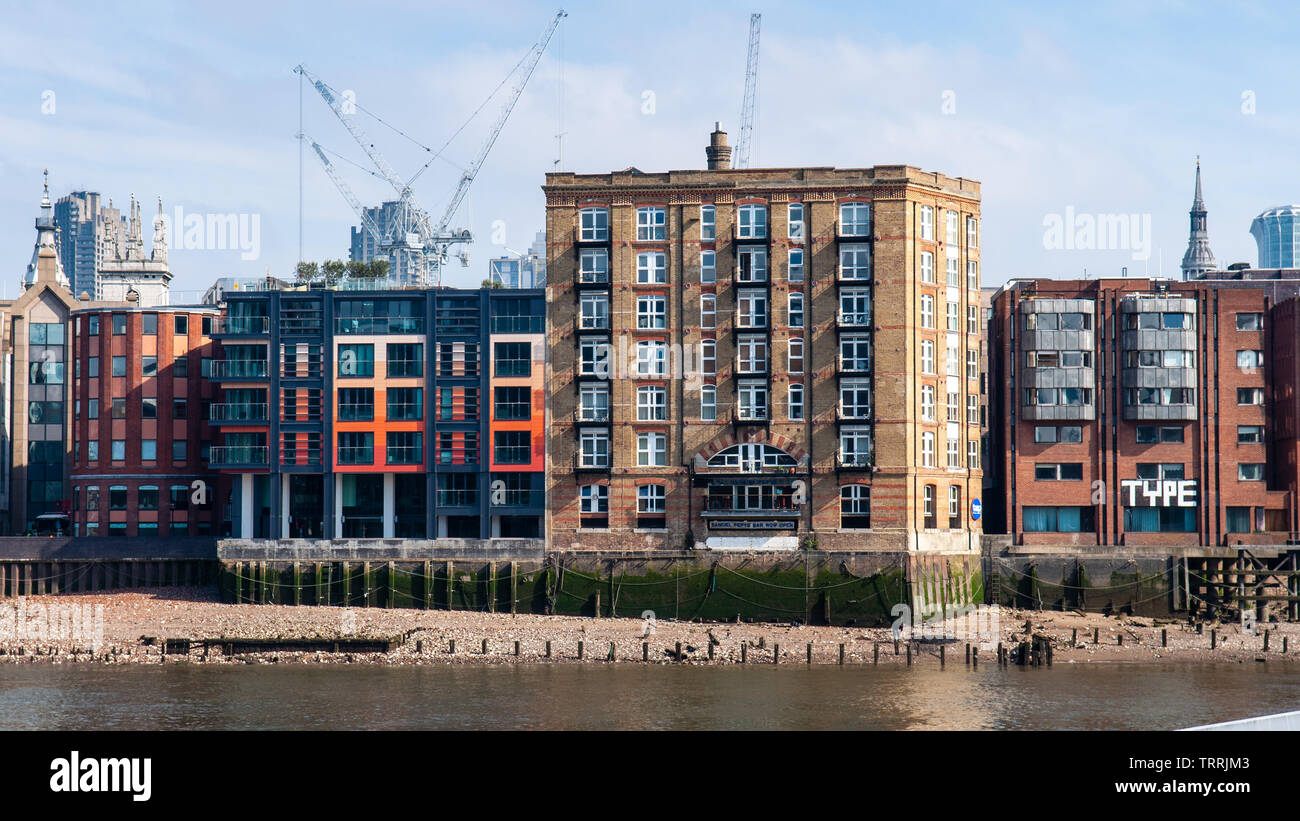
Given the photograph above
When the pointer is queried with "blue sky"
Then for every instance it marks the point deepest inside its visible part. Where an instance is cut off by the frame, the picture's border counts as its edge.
(1100, 109)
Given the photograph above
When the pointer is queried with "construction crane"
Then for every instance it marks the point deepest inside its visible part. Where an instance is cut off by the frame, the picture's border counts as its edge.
(751, 89)
(413, 231)
(372, 228)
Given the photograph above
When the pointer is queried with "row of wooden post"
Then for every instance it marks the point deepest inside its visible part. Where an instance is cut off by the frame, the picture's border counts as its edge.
(31, 577)
(253, 585)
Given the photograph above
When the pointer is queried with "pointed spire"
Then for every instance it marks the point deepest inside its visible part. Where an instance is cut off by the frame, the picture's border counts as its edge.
(1199, 259)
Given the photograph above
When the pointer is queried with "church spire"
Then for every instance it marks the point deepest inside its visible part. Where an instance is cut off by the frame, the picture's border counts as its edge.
(1199, 259)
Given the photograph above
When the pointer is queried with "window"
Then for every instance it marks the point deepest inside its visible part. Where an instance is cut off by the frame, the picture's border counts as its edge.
(708, 311)
(927, 356)
(1250, 322)
(751, 354)
(356, 404)
(1160, 519)
(795, 219)
(117, 497)
(1163, 471)
(119, 366)
(593, 265)
(650, 224)
(180, 367)
(1164, 396)
(927, 267)
(972, 319)
(149, 324)
(594, 224)
(1250, 396)
(927, 505)
(751, 307)
(92, 450)
(927, 311)
(651, 268)
(855, 398)
(357, 360)
(973, 454)
(972, 275)
(954, 319)
(178, 450)
(855, 507)
(180, 324)
(92, 367)
(512, 358)
(952, 227)
(795, 311)
(794, 401)
(595, 311)
(512, 447)
(927, 222)
(651, 312)
(92, 325)
(708, 357)
(708, 403)
(651, 404)
(1058, 396)
(795, 357)
(1052, 472)
(954, 453)
(954, 274)
(855, 307)
(927, 452)
(954, 407)
(594, 356)
(119, 409)
(149, 408)
(855, 353)
(972, 364)
(1059, 520)
(1238, 520)
(652, 359)
(708, 266)
(972, 409)
(708, 222)
(179, 497)
(405, 360)
(650, 499)
(1250, 472)
(1157, 321)
(651, 450)
(593, 449)
(972, 232)
(1151, 434)
(751, 221)
(119, 450)
(954, 507)
(855, 219)
(593, 403)
(752, 400)
(594, 499)
(855, 446)
(356, 448)
(752, 264)
(855, 262)
(149, 450)
(1250, 361)
(1071, 433)
(513, 403)
(119, 324)
(794, 271)
(404, 447)
(927, 403)
(148, 366)
(147, 495)
(1250, 434)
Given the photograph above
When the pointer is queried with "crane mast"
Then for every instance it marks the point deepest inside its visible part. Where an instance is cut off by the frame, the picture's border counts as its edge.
(751, 89)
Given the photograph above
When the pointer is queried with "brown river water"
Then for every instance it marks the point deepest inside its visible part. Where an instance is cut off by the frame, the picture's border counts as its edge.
(635, 697)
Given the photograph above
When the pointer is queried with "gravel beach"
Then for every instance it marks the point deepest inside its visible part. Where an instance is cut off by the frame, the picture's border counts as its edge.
(135, 622)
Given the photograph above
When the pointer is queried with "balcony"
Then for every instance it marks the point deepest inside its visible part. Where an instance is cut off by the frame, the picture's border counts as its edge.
(240, 326)
(857, 321)
(587, 324)
(592, 462)
(856, 414)
(356, 455)
(854, 364)
(853, 230)
(592, 279)
(855, 461)
(749, 322)
(756, 234)
(779, 505)
(750, 416)
(239, 369)
(378, 325)
(592, 236)
(591, 416)
(303, 366)
(520, 498)
(236, 456)
(518, 324)
(404, 455)
(237, 413)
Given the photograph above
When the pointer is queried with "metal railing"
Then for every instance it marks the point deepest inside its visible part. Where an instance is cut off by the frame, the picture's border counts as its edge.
(591, 415)
(858, 319)
(237, 455)
(239, 369)
(404, 455)
(361, 455)
(860, 461)
(238, 412)
(512, 454)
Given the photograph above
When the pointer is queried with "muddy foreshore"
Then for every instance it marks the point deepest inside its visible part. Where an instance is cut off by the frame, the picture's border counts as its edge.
(137, 625)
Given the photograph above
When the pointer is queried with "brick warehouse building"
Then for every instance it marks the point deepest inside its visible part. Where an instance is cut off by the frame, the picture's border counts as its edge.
(1145, 412)
(393, 413)
(140, 433)
(746, 358)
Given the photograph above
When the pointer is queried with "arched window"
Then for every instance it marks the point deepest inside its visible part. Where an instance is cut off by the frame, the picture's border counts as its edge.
(752, 458)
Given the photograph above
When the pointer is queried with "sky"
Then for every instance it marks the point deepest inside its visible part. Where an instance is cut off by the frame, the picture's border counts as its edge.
(1093, 113)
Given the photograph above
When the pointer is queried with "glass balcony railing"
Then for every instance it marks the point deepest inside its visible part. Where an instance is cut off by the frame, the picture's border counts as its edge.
(357, 455)
(518, 324)
(239, 369)
(238, 412)
(379, 325)
(519, 498)
(240, 325)
(403, 455)
(237, 455)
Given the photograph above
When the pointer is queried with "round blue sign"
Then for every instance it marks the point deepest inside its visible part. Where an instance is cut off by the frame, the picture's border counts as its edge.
(975, 509)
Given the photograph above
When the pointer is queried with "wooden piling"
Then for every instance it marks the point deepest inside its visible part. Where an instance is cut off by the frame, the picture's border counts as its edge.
(895, 646)
(1096, 635)
(1164, 637)
(810, 652)
(1214, 639)
(297, 584)
(1284, 643)
(514, 570)
(909, 653)
(975, 657)
(645, 651)
(710, 649)
(744, 652)
(968, 652)
(612, 656)
(365, 581)
(875, 652)
(1266, 641)
(492, 587)
(679, 651)
(579, 650)
(451, 580)
(427, 571)
(548, 649)
(451, 647)
(390, 576)
(941, 658)
(1121, 639)
(485, 652)
(346, 569)
(841, 655)
(516, 649)
(596, 611)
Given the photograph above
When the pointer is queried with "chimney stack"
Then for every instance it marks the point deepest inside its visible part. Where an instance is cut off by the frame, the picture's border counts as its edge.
(718, 152)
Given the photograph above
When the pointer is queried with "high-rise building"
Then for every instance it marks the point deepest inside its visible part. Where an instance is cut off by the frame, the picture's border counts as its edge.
(404, 266)
(89, 233)
(763, 358)
(1277, 235)
(1199, 259)
(384, 413)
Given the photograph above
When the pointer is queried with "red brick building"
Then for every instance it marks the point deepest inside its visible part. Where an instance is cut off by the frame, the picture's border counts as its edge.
(140, 436)
(1145, 412)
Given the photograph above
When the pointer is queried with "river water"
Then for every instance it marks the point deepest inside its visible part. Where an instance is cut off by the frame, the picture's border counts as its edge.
(628, 696)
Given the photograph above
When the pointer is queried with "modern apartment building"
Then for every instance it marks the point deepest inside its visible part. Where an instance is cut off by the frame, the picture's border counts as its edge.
(1146, 412)
(139, 436)
(399, 413)
(763, 358)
